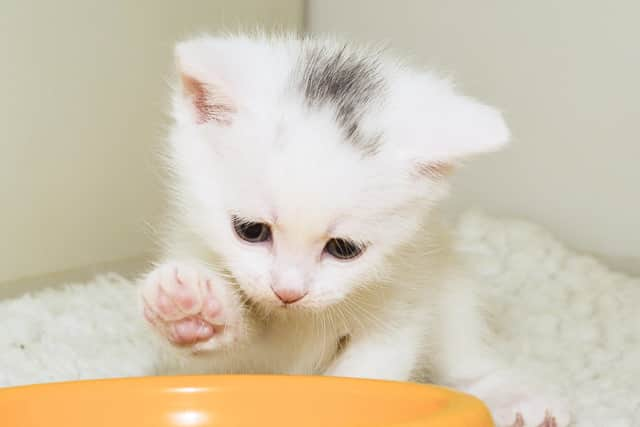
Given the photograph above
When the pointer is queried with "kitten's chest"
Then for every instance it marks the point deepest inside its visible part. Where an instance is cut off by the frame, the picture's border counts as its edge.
(299, 347)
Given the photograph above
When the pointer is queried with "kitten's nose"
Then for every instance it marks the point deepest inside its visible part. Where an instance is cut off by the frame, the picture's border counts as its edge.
(289, 296)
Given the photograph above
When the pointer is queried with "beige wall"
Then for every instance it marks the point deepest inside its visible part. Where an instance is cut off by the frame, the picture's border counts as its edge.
(82, 102)
(566, 73)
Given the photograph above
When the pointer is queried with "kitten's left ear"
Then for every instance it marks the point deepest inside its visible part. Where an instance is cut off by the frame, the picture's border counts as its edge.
(466, 129)
(443, 128)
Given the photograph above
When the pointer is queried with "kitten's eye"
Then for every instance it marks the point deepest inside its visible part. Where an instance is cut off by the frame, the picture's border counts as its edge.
(342, 249)
(253, 232)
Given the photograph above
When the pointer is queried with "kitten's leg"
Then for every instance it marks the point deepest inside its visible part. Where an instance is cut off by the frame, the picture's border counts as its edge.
(465, 362)
(192, 306)
(384, 355)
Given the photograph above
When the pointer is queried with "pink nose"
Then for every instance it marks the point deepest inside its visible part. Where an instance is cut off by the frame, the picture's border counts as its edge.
(289, 296)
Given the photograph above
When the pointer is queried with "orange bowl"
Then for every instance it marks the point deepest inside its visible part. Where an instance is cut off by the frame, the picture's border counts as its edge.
(238, 401)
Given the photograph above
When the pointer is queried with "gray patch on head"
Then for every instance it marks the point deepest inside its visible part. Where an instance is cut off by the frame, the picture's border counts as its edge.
(351, 82)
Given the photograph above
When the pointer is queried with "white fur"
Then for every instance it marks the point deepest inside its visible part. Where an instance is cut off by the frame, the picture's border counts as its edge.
(406, 305)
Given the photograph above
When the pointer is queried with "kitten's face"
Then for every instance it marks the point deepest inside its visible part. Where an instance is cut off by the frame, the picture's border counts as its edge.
(300, 217)
(303, 177)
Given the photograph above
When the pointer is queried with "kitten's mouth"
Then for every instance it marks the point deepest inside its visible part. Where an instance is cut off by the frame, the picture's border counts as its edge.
(274, 305)
(292, 306)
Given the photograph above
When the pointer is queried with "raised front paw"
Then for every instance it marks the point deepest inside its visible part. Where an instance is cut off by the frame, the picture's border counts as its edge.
(191, 306)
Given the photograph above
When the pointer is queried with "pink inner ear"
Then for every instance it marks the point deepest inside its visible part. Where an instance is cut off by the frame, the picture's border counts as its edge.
(208, 102)
(435, 170)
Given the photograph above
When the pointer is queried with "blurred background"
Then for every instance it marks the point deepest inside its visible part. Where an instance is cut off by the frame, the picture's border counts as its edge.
(83, 101)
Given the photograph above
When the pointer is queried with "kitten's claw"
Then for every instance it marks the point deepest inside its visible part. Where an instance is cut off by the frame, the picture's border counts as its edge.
(531, 415)
(519, 421)
(549, 421)
(190, 307)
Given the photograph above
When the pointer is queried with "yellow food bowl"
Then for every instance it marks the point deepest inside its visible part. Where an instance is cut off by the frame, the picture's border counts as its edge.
(238, 401)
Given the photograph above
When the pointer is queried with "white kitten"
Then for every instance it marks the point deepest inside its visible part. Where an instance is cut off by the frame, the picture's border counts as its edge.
(304, 239)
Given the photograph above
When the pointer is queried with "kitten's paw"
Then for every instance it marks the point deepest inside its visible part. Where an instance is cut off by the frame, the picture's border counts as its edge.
(549, 421)
(531, 412)
(191, 307)
(515, 404)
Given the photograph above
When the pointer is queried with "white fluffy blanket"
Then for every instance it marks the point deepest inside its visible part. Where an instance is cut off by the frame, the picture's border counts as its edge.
(564, 317)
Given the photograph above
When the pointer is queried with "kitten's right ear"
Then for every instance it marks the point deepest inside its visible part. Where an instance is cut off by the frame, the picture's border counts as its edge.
(203, 87)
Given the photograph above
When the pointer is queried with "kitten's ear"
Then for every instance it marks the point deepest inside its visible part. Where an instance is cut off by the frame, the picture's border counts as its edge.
(465, 128)
(446, 127)
(203, 87)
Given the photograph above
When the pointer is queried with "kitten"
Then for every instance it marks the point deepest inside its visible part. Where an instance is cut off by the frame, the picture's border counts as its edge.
(305, 240)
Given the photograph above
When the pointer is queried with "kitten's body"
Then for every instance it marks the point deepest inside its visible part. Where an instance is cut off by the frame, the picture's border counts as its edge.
(294, 341)
(315, 142)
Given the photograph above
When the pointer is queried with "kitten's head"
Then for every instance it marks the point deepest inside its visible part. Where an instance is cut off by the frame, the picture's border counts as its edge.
(304, 164)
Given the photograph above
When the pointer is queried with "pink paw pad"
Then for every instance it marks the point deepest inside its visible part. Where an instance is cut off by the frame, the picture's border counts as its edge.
(166, 306)
(191, 330)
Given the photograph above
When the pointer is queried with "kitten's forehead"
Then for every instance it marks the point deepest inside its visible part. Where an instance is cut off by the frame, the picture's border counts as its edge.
(313, 186)
(299, 172)
(331, 192)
